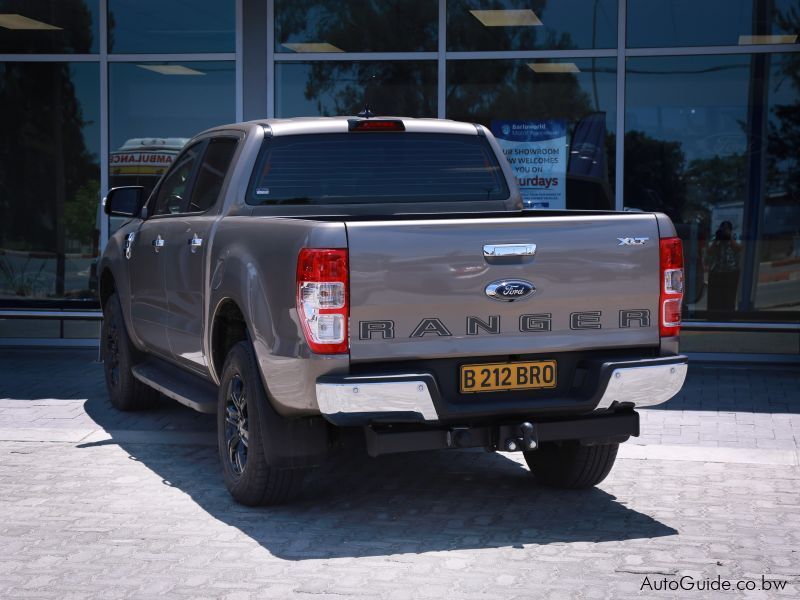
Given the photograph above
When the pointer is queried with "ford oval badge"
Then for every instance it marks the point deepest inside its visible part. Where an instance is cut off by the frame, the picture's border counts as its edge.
(510, 290)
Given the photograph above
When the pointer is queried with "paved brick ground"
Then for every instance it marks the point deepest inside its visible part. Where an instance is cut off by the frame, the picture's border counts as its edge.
(88, 510)
(730, 406)
(723, 406)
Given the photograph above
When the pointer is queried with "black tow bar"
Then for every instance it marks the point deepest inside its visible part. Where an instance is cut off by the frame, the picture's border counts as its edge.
(607, 427)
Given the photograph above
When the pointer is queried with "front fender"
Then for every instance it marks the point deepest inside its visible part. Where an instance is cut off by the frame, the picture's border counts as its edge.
(113, 261)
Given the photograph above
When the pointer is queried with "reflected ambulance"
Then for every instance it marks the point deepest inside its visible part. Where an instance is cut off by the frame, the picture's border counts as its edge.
(141, 161)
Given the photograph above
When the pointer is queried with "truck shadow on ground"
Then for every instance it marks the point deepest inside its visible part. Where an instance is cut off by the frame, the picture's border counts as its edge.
(354, 506)
(357, 506)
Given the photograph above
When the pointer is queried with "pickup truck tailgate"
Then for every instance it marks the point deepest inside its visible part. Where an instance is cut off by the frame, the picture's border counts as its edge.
(418, 287)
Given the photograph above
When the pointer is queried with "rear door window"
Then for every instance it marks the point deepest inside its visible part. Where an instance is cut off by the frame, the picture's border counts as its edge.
(211, 176)
(359, 168)
(173, 191)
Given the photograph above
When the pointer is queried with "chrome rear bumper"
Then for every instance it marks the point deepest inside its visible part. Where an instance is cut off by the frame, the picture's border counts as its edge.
(358, 401)
(644, 386)
(414, 397)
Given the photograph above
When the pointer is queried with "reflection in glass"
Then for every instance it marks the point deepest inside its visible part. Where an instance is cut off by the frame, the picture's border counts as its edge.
(171, 196)
(701, 148)
(778, 254)
(356, 26)
(156, 107)
(49, 180)
(171, 26)
(655, 23)
(685, 155)
(376, 167)
(401, 88)
(48, 26)
(526, 25)
(580, 94)
(211, 174)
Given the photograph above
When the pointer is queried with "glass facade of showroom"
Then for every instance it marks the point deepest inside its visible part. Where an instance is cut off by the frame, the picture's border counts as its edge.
(690, 108)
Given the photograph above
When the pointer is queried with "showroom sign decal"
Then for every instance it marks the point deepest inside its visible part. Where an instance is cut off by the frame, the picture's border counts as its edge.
(537, 152)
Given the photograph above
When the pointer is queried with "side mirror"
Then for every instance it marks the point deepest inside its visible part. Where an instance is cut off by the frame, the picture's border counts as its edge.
(125, 201)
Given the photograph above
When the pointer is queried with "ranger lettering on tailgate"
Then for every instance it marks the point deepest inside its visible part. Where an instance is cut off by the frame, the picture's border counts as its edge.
(592, 319)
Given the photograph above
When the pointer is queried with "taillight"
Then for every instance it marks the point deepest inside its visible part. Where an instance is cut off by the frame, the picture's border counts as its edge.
(671, 296)
(322, 298)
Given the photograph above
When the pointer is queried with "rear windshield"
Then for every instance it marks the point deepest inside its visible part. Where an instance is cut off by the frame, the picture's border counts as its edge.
(359, 168)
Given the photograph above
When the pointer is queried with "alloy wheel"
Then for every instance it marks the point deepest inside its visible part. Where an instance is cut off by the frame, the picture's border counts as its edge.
(237, 437)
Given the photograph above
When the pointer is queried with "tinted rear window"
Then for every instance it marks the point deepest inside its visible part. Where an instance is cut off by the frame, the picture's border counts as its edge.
(358, 168)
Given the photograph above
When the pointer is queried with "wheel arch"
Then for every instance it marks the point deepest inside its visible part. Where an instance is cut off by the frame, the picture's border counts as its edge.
(228, 327)
(108, 285)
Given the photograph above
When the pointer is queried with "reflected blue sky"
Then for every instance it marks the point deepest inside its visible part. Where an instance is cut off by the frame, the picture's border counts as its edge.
(699, 101)
(151, 26)
(660, 23)
(144, 103)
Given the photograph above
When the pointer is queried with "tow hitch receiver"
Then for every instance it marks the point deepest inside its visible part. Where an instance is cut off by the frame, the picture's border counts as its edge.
(609, 427)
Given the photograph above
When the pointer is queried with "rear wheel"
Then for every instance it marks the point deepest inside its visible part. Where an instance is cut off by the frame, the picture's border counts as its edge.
(249, 477)
(570, 465)
(125, 391)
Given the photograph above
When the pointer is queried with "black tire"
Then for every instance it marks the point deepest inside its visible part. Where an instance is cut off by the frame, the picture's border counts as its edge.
(248, 475)
(125, 391)
(570, 465)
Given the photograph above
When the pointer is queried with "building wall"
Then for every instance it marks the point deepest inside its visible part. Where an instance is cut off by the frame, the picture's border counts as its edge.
(690, 108)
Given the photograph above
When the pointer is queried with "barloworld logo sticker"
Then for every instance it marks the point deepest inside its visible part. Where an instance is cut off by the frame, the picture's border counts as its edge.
(510, 290)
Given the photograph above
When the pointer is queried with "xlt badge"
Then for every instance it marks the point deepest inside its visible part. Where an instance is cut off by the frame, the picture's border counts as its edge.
(633, 241)
(510, 290)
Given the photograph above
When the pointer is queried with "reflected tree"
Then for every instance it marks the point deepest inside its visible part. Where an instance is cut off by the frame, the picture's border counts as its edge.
(359, 25)
(389, 88)
(47, 174)
(72, 17)
(400, 88)
(467, 32)
(783, 144)
(716, 180)
(654, 174)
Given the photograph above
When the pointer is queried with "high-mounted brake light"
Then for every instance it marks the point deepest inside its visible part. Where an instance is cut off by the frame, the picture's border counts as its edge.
(323, 298)
(671, 286)
(375, 125)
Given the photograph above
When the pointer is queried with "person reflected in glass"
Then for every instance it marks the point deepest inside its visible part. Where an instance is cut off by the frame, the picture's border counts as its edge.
(724, 259)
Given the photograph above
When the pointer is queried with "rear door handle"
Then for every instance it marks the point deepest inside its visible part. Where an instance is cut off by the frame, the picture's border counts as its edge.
(508, 250)
(195, 243)
(158, 243)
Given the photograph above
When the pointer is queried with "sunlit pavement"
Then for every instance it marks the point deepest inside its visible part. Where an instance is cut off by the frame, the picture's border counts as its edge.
(95, 503)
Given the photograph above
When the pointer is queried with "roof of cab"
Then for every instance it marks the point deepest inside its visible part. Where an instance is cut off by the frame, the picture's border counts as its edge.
(313, 125)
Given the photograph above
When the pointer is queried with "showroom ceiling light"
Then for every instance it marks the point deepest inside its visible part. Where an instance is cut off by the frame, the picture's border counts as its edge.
(311, 47)
(748, 40)
(171, 69)
(15, 21)
(507, 18)
(550, 67)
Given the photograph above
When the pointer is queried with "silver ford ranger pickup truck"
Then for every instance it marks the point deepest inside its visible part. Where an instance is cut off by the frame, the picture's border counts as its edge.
(303, 278)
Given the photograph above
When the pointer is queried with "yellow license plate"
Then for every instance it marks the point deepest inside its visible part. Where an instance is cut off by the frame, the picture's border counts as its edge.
(496, 377)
